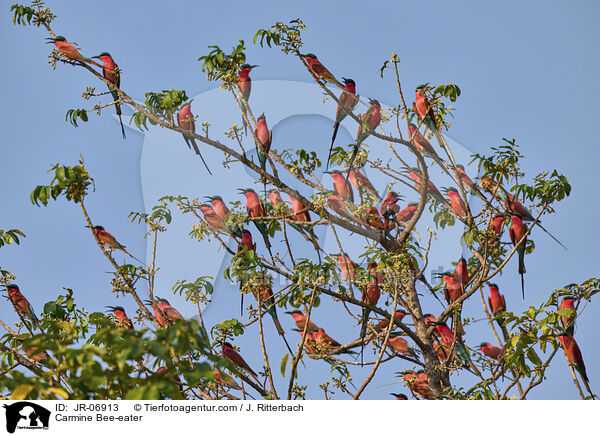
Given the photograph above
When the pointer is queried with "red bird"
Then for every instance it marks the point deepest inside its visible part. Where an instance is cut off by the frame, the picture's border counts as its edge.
(400, 396)
(302, 215)
(518, 236)
(158, 314)
(400, 345)
(335, 204)
(495, 229)
(569, 320)
(186, 120)
(256, 209)
(372, 218)
(464, 178)
(111, 72)
(457, 203)
(574, 357)
(108, 240)
(461, 273)
(21, 304)
(348, 267)
(406, 214)
(348, 100)
(324, 339)
(384, 323)
(300, 320)
(452, 292)
(370, 295)
(423, 108)
(245, 83)
(211, 217)
(320, 72)
(169, 311)
(70, 52)
(422, 144)
(341, 186)
(362, 183)
(491, 351)
(122, 319)
(417, 176)
(496, 300)
(233, 356)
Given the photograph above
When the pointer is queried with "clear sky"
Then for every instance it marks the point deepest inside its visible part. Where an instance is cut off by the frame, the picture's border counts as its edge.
(527, 71)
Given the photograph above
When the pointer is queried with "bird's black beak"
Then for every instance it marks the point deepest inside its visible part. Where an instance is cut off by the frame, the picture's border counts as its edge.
(50, 41)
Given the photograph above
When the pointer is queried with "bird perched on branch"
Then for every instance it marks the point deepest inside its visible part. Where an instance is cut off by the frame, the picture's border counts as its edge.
(111, 72)
(108, 240)
(186, 121)
(21, 304)
(348, 100)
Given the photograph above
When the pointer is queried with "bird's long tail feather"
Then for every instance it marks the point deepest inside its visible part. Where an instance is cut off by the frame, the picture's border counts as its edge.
(336, 126)
(552, 236)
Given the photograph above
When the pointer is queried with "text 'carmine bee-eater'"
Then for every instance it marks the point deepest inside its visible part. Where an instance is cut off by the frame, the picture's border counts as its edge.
(369, 122)
(245, 83)
(233, 356)
(70, 52)
(121, 316)
(574, 357)
(256, 210)
(348, 100)
(186, 120)
(319, 71)
(111, 72)
(108, 240)
(518, 236)
(21, 304)
(264, 292)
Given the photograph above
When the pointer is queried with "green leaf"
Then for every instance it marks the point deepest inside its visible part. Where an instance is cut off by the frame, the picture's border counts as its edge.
(284, 364)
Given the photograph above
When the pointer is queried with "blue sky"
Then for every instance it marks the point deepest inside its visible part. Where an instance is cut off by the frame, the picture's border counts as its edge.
(527, 71)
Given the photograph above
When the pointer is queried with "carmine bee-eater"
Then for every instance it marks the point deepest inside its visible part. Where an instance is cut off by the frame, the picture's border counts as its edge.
(348, 100)
(457, 203)
(186, 120)
(491, 351)
(70, 52)
(173, 378)
(406, 214)
(341, 186)
(300, 320)
(370, 295)
(211, 217)
(452, 292)
(369, 122)
(337, 205)
(255, 210)
(222, 211)
(399, 396)
(494, 188)
(309, 342)
(418, 384)
(21, 304)
(518, 232)
(423, 145)
(246, 246)
(574, 357)
(400, 345)
(225, 379)
(385, 322)
(36, 355)
(245, 83)
(372, 218)
(111, 72)
(362, 183)
(461, 273)
(433, 191)
(448, 339)
(283, 209)
(568, 321)
(169, 311)
(264, 291)
(348, 267)
(158, 314)
(320, 72)
(464, 178)
(108, 240)
(516, 207)
(497, 306)
(495, 229)
(121, 316)
(390, 209)
(302, 215)
(326, 341)
(233, 356)
(423, 108)
(263, 145)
